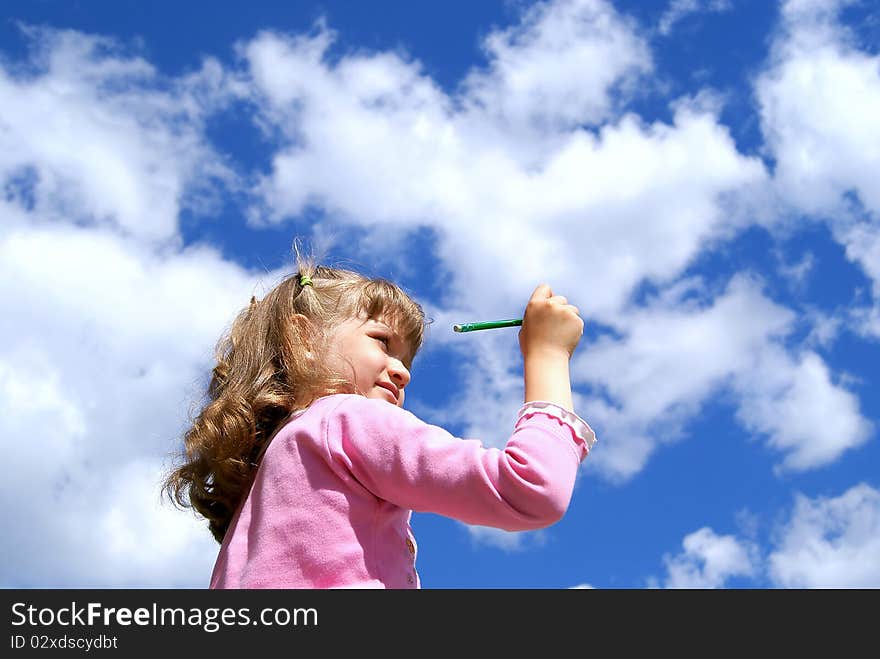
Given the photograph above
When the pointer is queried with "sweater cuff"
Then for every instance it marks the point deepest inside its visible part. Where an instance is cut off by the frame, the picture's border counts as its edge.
(578, 426)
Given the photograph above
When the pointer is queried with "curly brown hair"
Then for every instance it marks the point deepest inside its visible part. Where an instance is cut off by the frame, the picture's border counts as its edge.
(268, 365)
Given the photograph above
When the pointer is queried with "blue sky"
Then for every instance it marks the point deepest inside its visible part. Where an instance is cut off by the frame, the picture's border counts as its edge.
(698, 176)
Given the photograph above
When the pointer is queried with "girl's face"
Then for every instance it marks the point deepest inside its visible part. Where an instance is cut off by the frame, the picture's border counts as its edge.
(374, 355)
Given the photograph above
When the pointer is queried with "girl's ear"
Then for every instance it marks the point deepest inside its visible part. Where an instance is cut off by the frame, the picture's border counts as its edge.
(304, 334)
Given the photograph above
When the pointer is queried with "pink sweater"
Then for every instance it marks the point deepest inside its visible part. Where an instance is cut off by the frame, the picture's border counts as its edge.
(331, 502)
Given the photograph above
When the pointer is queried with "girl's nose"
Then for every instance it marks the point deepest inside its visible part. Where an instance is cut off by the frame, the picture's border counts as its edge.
(399, 373)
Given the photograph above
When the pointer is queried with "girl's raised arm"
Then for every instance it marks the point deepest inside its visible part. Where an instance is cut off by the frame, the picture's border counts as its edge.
(550, 332)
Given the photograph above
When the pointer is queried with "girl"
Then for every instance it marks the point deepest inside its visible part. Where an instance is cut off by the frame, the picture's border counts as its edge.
(308, 468)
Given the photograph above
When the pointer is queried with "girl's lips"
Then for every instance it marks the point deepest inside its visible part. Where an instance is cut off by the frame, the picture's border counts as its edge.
(394, 391)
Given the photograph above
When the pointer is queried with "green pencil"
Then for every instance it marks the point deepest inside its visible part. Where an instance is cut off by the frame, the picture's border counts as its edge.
(489, 324)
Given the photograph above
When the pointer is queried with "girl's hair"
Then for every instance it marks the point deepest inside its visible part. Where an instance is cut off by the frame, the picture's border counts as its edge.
(268, 365)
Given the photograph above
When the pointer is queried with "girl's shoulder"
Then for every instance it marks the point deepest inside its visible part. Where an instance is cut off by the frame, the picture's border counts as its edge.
(351, 416)
(349, 404)
(312, 420)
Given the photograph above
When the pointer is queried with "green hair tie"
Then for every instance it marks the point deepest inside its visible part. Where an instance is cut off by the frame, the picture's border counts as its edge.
(305, 280)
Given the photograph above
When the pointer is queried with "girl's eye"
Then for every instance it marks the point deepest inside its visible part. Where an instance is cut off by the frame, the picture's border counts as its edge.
(383, 339)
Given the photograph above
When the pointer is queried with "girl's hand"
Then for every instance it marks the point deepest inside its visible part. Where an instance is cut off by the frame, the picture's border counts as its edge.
(551, 326)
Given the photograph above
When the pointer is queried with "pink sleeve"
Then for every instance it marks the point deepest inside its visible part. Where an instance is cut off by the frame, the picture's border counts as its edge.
(401, 459)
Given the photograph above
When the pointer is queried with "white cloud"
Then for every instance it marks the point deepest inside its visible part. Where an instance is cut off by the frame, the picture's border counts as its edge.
(506, 540)
(862, 243)
(107, 325)
(104, 346)
(830, 542)
(709, 560)
(820, 111)
(826, 542)
(91, 135)
(559, 67)
(146, 542)
(824, 10)
(679, 350)
(679, 9)
(819, 102)
(114, 532)
(797, 274)
(678, 342)
(674, 354)
(806, 416)
(377, 144)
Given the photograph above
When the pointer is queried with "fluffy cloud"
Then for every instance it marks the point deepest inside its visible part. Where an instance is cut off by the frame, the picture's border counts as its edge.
(830, 542)
(825, 542)
(108, 325)
(686, 346)
(678, 350)
(544, 71)
(92, 135)
(679, 9)
(709, 560)
(819, 103)
(375, 143)
(791, 401)
(105, 344)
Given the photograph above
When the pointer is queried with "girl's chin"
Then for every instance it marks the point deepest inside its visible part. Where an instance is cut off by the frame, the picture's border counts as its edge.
(381, 393)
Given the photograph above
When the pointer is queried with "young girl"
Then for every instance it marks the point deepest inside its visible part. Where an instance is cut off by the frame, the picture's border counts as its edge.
(308, 468)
